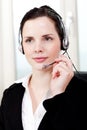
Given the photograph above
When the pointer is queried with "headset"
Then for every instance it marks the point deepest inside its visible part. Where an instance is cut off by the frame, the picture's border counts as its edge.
(63, 37)
(65, 40)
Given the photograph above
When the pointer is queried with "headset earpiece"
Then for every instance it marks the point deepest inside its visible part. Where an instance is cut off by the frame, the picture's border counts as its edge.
(21, 48)
(65, 40)
(65, 44)
(20, 43)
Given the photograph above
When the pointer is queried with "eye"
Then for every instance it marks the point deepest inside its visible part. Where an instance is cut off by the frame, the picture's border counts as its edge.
(47, 38)
(29, 40)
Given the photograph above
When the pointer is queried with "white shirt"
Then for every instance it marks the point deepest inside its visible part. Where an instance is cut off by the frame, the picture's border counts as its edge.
(30, 121)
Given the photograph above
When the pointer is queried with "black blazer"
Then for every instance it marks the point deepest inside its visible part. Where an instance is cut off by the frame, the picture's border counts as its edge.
(64, 111)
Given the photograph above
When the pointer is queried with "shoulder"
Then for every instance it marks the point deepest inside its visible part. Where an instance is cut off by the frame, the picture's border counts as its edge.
(77, 82)
(77, 86)
(14, 92)
(80, 78)
(17, 86)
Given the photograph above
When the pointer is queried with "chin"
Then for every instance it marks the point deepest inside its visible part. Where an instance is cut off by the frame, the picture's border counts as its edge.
(38, 67)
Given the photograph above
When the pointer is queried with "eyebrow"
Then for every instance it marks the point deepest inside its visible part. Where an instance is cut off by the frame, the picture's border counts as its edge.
(47, 35)
(28, 36)
(42, 36)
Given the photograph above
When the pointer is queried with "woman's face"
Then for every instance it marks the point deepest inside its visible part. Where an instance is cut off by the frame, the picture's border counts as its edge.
(41, 42)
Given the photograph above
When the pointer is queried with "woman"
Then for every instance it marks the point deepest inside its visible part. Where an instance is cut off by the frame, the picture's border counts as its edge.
(49, 97)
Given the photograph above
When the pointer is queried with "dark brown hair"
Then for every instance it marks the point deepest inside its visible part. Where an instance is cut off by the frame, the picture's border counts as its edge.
(50, 13)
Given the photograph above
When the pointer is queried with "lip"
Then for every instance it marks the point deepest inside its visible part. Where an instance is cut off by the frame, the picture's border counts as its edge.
(40, 59)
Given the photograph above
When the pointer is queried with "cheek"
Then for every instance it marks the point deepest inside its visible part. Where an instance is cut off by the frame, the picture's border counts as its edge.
(28, 53)
(55, 51)
(27, 50)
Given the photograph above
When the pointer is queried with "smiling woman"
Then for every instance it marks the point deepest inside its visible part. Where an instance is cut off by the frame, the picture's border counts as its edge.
(46, 98)
(25, 68)
(65, 8)
(39, 41)
(10, 17)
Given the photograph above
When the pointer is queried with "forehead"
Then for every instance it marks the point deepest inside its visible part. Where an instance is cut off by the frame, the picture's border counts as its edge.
(41, 23)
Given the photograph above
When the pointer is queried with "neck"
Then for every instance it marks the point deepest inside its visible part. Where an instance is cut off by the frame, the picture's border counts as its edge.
(41, 79)
(38, 87)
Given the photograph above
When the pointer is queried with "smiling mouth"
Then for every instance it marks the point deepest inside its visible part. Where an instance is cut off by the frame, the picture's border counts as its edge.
(40, 59)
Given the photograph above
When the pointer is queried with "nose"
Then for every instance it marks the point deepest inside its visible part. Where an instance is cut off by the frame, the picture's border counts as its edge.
(38, 48)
